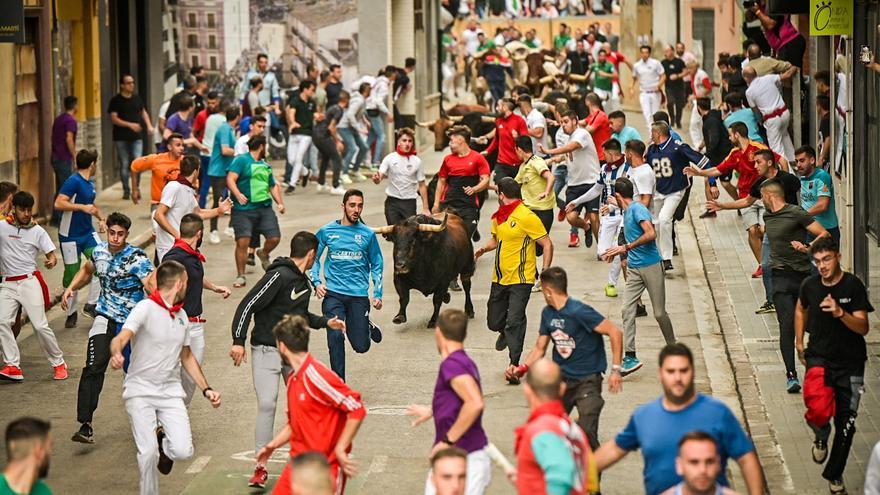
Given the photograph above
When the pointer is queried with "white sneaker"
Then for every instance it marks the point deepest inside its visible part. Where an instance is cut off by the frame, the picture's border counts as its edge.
(214, 237)
(229, 232)
(337, 191)
(345, 179)
(320, 188)
(357, 177)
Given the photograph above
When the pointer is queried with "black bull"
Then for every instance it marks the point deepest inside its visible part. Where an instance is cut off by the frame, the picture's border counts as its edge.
(428, 255)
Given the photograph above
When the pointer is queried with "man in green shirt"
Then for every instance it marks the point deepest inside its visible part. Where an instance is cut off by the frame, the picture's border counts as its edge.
(252, 188)
(537, 182)
(562, 38)
(29, 446)
(603, 76)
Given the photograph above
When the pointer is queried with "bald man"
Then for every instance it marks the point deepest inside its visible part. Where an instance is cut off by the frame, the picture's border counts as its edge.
(765, 95)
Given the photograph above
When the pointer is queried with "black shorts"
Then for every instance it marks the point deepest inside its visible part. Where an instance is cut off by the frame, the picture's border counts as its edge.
(574, 192)
(546, 218)
(251, 223)
(397, 209)
(502, 170)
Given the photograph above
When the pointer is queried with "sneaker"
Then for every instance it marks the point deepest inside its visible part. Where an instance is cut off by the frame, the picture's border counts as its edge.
(629, 365)
(251, 261)
(513, 380)
(338, 191)
(260, 477)
(820, 451)
(610, 290)
(501, 341)
(758, 273)
(85, 434)
(70, 322)
(561, 215)
(667, 265)
(214, 237)
(60, 372)
(126, 196)
(537, 286)
(90, 310)
(356, 177)
(264, 258)
(573, 240)
(290, 190)
(321, 188)
(345, 179)
(229, 232)
(588, 238)
(11, 373)
(165, 462)
(792, 384)
(641, 310)
(836, 487)
(708, 214)
(304, 181)
(765, 308)
(454, 286)
(240, 281)
(375, 332)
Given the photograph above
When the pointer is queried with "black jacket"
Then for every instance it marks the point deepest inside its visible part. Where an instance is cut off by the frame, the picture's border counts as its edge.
(283, 290)
(717, 142)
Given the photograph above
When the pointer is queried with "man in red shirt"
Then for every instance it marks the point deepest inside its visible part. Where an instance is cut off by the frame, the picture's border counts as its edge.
(463, 174)
(323, 413)
(597, 124)
(507, 128)
(615, 58)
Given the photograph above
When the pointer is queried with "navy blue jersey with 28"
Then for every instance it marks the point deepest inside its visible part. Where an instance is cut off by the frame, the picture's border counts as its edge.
(669, 161)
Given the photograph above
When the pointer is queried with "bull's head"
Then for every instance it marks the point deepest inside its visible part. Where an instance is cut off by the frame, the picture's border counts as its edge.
(439, 128)
(407, 235)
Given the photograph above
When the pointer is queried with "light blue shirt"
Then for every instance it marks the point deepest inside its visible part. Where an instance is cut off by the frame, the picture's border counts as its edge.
(270, 92)
(815, 186)
(628, 133)
(646, 254)
(747, 117)
(353, 257)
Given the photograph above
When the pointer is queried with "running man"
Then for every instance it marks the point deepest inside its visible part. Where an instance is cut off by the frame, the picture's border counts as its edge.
(152, 391)
(406, 179)
(300, 115)
(353, 258)
(508, 126)
(649, 75)
(765, 96)
(698, 464)
(22, 286)
(124, 274)
(163, 167)
(323, 414)
(463, 175)
(76, 235)
(536, 181)
(285, 289)
(457, 406)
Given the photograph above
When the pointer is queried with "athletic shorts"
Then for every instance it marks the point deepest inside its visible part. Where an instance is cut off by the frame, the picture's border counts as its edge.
(753, 215)
(252, 223)
(73, 247)
(574, 192)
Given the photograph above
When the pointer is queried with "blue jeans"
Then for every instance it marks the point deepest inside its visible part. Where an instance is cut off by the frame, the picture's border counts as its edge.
(355, 147)
(63, 171)
(356, 313)
(128, 151)
(767, 279)
(204, 181)
(376, 136)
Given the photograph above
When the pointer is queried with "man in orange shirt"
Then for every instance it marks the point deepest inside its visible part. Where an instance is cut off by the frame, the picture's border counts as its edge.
(164, 168)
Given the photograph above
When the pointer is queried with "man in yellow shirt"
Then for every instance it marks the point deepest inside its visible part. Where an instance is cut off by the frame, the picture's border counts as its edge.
(536, 180)
(516, 231)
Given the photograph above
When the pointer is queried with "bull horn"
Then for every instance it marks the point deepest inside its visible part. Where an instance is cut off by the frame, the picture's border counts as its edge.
(486, 118)
(546, 80)
(578, 77)
(455, 118)
(548, 58)
(429, 227)
(426, 124)
(384, 230)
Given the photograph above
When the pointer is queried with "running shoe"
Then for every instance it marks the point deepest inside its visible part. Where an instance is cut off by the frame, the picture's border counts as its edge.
(820, 451)
(573, 240)
(260, 477)
(338, 191)
(501, 341)
(345, 179)
(264, 258)
(758, 273)
(90, 310)
(836, 487)
(70, 322)
(304, 181)
(240, 281)
(513, 379)
(708, 214)
(588, 237)
(610, 290)
(792, 385)
(561, 215)
(251, 261)
(290, 190)
(229, 232)
(165, 462)
(667, 265)
(765, 308)
(537, 286)
(641, 310)
(214, 237)
(321, 188)
(11, 373)
(60, 372)
(85, 434)
(629, 365)
(375, 332)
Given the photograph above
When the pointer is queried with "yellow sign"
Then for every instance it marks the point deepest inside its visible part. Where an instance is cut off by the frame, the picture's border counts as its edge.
(831, 17)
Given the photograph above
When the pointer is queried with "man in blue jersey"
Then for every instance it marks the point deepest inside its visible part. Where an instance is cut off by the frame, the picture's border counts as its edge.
(77, 236)
(817, 192)
(353, 257)
(669, 157)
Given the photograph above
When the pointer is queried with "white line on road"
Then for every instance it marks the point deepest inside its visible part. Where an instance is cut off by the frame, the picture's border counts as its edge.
(378, 464)
(198, 464)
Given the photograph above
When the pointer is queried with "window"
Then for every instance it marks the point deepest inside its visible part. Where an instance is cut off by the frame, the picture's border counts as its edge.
(212, 41)
(213, 63)
(195, 60)
(344, 45)
(191, 19)
(192, 41)
(211, 20)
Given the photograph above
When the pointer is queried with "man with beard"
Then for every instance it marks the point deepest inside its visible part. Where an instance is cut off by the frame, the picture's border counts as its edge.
(463, 174)
(152, 390)
(698, 463)
(29, 447)
(658, 426)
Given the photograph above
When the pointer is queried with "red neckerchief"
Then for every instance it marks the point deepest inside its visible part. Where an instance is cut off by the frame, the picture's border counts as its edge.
(504, 211)
(157, 298)
(183, 180)
(189, 249)
(612, 165)
(402, 153)
(12, 221)
(553, 407)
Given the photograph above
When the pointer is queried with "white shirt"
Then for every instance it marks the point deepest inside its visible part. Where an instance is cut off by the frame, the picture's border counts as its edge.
(764, 94)
(499, 40)
(699, 83)
(19, 248)
(154, 365)
(583, 166)
(180, 200)
(643, 179)
(471, 42)
(872, 476)
(404, 175)
(241, 145)
(212, 123)
(649, 73)
(536, 120)
(561, 140)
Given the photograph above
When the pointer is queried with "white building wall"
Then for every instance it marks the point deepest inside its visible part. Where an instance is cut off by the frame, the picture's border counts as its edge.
(236, 30)
(271, 40)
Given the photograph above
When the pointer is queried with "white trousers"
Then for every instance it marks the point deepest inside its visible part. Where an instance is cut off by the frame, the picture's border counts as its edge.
(197, 346)
(479, 474)
(609, 228)
(695, 128)
(663, 209)
(650, 103)
(28, 294)
(777, 135)
(146, 414)
(297, 146)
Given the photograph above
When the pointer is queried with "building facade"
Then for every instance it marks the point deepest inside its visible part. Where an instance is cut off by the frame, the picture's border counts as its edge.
(213, 33)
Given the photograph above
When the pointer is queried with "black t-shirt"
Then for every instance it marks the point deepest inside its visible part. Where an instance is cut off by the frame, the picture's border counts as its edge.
(322, 128)
(788, 224)
(130, 110)
(579, 62)
(830, 340)
(674, 66)
(305, 113)
(736, 83)
(824, 130)
(195, 273)
(791, 186)
(333, 90)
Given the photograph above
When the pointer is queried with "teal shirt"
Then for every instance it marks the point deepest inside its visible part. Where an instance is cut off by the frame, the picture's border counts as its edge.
(255, 180)
(815, 186)
(747, 117)
(628, 133)
(219, 164)
(554, 456)
(39, 488)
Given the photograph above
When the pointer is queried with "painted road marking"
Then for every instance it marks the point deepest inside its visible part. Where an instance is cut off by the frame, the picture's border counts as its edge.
(281, 456)
(387, 410)
(199, 464)
(378, 464)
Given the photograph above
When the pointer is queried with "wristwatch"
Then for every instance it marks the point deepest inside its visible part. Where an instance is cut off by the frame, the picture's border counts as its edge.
(205, 392)
(446, 440)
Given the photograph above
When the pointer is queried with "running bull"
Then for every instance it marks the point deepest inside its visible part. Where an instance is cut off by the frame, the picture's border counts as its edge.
(428, 255)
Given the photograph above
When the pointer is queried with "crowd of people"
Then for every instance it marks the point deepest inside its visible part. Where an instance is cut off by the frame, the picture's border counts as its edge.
(541, 9)
(598, 174)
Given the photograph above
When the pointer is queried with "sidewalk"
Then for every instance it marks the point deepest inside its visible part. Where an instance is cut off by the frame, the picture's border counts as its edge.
(774, 417)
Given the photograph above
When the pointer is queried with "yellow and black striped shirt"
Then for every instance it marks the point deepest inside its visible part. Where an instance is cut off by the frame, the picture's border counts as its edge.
(515, 255)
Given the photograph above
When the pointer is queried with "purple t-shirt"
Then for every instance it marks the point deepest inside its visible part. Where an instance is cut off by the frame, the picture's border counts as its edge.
(63, 124)
(447, 404)
(178, 125)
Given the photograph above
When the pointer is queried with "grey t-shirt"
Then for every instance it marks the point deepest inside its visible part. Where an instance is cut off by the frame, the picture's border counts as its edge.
(783, 226)
(322, 128)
